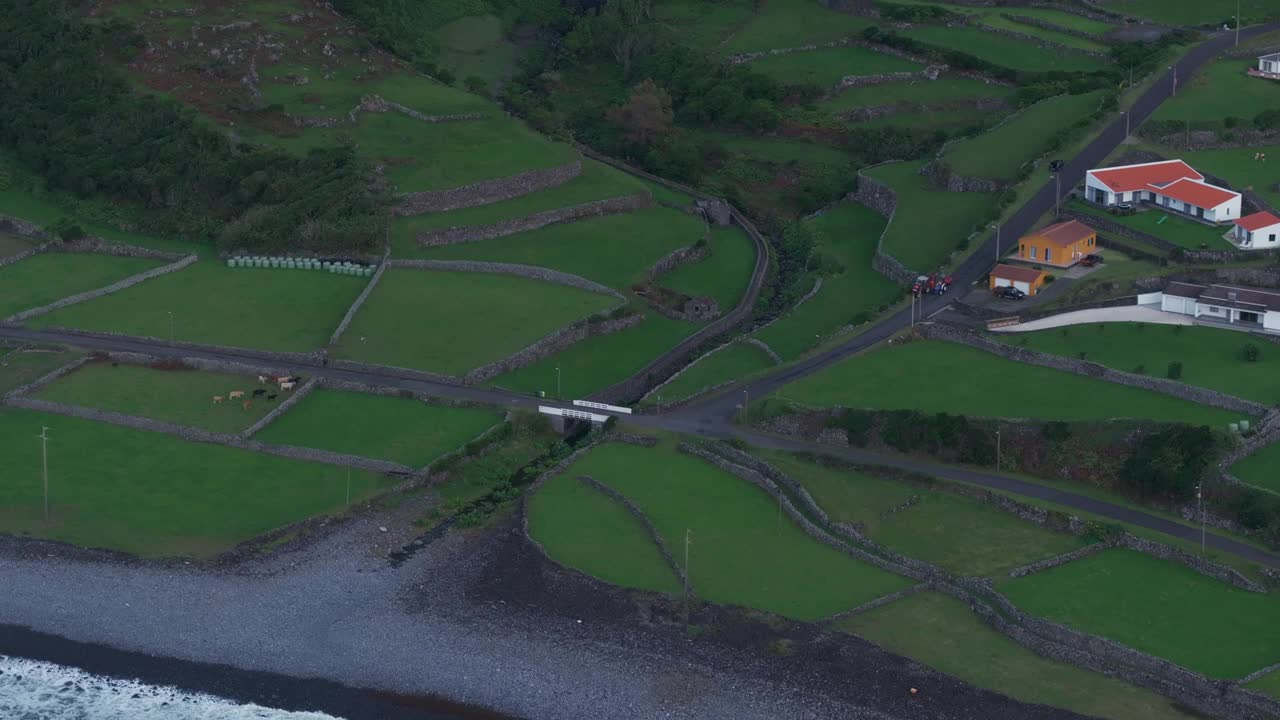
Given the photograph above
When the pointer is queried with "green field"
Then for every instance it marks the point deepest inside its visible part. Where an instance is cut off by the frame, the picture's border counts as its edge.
(944, 634)
(21, 366)
(11, 245)
(424, 156)
(1064, 19)
(702, 24)
(336, 93)
(848, 233)
(1261, 468)
(928, 224)
(1210, 357)
(826, 66)
(600, 361)
(1219, 90)
(409, 432)
(779, 150)
(1269, 684)
(946, 87)
(1000, 152)
(585, 529)
(43, 278)
(152, 494)
(281, 310)
(997, 20)
(741, 552)
(739, 360)
(183, 397)
(1001, 50)
(1159, 607)
(452, 322)
(724, 275)
(1237, 166)
(615, 250)
(1180, 231)
(920, 376)
(597, 182)
(477, 46)
(1194, 12)
(790, 23)
(964, 536)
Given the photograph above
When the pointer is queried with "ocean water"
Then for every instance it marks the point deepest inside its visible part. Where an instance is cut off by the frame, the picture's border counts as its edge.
(32, 690)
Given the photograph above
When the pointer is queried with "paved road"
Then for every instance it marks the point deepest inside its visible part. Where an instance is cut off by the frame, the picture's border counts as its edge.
(713, 417)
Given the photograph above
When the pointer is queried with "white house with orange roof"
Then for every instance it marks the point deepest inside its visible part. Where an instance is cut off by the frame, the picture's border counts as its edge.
(1259, 231)
(1171, 185)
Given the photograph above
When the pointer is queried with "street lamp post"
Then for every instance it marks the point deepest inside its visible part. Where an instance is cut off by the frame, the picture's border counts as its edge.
(170, 326)
(997, 227)
(558, 381)
(44, 461)
(746, 407)
(1174, 68)
(998, 451)
(1126, 123)
(1200, 510)
(1237, 22)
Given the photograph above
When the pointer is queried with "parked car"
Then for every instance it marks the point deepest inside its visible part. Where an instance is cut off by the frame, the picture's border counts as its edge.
(920, 286)
(1008, 292)
(1091, 260)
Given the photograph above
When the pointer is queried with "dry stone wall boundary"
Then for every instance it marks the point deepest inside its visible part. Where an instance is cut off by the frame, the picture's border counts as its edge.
(100, 292)
(649, 528)
(676, 258)
(1192, 393)
(48, 378)
(557, 341)
(1042, 43)
(1053, 27)
(298, 395)
(573, 213)
(411, 373)
(311, 359)
(378, 104)
(1208, 568)
(1056, 560)
(532, 272)
(487, 191)
(884, 200)
(359, 301)
(879, 602)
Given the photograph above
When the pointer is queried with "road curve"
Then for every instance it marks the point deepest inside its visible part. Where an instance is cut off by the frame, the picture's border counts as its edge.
(718, 409)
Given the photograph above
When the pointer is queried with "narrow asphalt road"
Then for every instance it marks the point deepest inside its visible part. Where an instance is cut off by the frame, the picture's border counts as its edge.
(713, 417)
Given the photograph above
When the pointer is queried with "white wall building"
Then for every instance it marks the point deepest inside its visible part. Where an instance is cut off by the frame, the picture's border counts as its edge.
(1170, 185)
(1244, 308)
(1268, 66)
(1259, 231)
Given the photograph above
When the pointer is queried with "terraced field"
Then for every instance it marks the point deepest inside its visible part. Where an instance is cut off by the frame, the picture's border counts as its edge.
(1000, 152)
(929, 224)
(41, 279)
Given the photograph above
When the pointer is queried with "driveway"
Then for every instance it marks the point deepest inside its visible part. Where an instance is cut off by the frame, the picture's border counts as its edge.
(1126, 313)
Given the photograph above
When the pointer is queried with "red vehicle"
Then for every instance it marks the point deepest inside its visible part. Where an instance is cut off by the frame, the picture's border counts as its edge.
(1091, 260)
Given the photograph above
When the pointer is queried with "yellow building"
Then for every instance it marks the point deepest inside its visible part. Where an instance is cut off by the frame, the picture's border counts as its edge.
(1061, 245)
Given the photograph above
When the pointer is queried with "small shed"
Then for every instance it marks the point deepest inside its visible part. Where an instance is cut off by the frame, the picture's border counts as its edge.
(1028, 280)
(1259, 231)
(1270, 64)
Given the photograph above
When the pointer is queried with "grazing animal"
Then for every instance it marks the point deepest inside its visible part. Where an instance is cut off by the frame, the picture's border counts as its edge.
(282, 379)
(286, 385)
(259, 392)
(217, 399)
(262, 379)
(247, 404)
(295, 378)
(236, 394)
(272, 396)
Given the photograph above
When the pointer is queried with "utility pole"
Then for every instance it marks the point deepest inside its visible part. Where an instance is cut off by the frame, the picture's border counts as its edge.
(997, 450)
(746, 407)
(558, 381)
(997, 227)
(170, 326)
(44, 456)
(1200, 509)
(1126, 123)
(348, 487)
(688, 539)
(1237, 22)
(1174, 68)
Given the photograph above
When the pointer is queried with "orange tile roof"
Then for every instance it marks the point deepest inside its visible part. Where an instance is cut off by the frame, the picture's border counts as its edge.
(1014, 272)
(1197, 193)
(1257, 221)
(1064, 234)
(1139, 177)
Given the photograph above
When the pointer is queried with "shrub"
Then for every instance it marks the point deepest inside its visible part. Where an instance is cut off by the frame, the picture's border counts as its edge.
(1251, 352)
(1175, 370)
(1168, 464)
(1055, 431)
(477, 85)
(66, 230)
(1140, 370)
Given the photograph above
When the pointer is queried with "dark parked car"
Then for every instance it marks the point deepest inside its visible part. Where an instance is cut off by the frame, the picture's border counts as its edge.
(1008, 292)
(1091, 260)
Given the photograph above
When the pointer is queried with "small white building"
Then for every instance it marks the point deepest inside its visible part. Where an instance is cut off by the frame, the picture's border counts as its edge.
(1243, 308)
(1259, 231)
(1268, 67)
(1171, 185)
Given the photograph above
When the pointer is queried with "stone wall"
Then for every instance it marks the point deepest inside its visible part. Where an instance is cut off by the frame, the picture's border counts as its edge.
(863, 114)
(487, 191)
(410, 373)
(48, 378)
(882, 199)
(930, 72)
(99, 246)
(1056, 560)
(296, 397)
(1192, 393)
(475, 233)
(93, 294)
(527, 271)
(1043, 43)
(1209, 568)
(1046, 25)
(879, 602)
(193, 434)
(312, 359)
(676, 258)
(359, 301)
(777, 359)
(378, 104)
(18, 226)
(636, 512)
(557, 341)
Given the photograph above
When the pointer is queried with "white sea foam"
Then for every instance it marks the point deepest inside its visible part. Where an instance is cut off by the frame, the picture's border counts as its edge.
(31, 690)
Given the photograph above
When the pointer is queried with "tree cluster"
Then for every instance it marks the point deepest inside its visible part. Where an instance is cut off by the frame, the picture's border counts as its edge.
(76, 123)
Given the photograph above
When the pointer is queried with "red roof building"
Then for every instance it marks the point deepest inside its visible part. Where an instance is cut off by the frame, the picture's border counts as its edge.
(1127, 178)
(1170, 185)
(1259, 231)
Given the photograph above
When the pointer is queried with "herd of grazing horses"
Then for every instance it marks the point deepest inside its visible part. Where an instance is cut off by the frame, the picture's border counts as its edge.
(287, 384)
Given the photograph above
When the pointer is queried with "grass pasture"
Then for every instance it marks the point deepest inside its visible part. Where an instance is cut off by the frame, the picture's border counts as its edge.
(1219, 90)
(183, 397)
(280, 310)
(848, 233)
(1192, 12)
(451, 322)
(929, 224)
(964, 536)
(1000, 152)
(614, 250)
(1177, 230)
(20, 366)
(586, 529)
(735, 361)
(741, 552)
(11, 245)
(1002, 50)
(1237, 166)
(826, 66)
(1261, 469)
(1064, 19)
(790, 23)
(903, 376)
(724, 275)
(1158, 607)
(1268, 684)
(1211, 357)
(155, 495)
(941, 632)
(997, 20)
(401, 430)
(335, 93)
(945, 88)
(41, 279)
